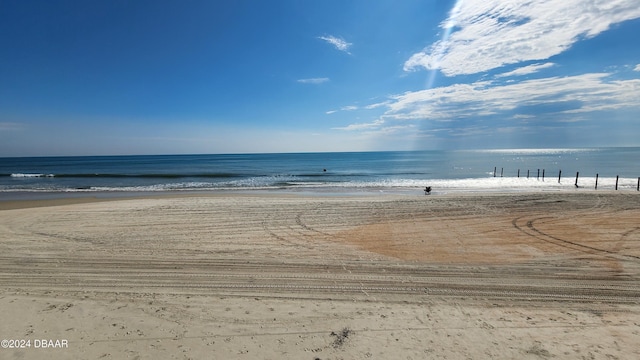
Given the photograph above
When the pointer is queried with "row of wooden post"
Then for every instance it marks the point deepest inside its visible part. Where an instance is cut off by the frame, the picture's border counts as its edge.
(560, 176)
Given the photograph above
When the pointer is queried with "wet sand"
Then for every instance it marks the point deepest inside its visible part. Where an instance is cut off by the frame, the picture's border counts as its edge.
(467, 276)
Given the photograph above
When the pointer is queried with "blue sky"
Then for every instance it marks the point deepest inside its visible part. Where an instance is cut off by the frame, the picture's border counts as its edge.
(164, 77)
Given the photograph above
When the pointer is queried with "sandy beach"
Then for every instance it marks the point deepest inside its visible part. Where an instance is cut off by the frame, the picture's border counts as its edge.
(277, 276)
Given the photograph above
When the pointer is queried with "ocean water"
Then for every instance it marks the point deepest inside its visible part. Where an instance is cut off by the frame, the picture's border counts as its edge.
(328, 173)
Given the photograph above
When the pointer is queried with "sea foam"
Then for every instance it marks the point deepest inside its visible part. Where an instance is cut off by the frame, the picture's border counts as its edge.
(21, 175)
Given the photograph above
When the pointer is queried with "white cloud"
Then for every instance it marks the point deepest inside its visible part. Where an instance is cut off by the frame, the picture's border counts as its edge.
(313, 80)
(534, 68)
(386, 130)
(376, 105)
(355, 107)
(523, 116)
(363, 126)
(488, 34)
(637, 68)
(331, 112)
(339, 43)
(558, 95)
(379, 128)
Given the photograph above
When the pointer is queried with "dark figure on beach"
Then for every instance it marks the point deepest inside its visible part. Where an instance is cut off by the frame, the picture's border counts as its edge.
(427, 190)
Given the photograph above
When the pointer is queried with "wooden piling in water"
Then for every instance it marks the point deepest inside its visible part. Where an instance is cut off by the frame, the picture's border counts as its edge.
(638, 187)
(495, 174)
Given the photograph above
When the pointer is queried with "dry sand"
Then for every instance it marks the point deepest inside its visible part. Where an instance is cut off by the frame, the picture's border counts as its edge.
(498, 276)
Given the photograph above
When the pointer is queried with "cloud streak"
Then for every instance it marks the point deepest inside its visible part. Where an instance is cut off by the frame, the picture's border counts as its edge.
(526, 70)
(337, 42)
(376, 124)
(314, 81)
(485, 35)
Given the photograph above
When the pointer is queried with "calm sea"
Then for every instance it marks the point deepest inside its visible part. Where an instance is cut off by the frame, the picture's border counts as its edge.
(329, 173)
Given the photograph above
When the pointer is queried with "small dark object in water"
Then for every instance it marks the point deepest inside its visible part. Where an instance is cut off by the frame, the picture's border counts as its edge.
(427, 190)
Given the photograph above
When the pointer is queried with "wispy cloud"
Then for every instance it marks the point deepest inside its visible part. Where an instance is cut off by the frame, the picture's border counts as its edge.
(344, 108)
(556, 95)
(376, 105)
(400, 134)
(488, 34)
(534, 68)
(313, 80)
(637, 68)
(339, 43)
(362, 126)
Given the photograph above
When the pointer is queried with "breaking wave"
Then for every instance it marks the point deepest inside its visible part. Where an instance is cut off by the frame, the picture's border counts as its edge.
(295, 183)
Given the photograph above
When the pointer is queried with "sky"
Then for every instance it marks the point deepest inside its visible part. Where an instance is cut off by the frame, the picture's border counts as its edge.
(115, 77)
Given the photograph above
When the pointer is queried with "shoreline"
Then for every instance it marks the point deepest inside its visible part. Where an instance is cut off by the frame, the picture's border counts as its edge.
(22, 200)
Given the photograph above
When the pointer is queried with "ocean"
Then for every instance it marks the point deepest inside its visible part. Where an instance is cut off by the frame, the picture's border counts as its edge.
(403, 172)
